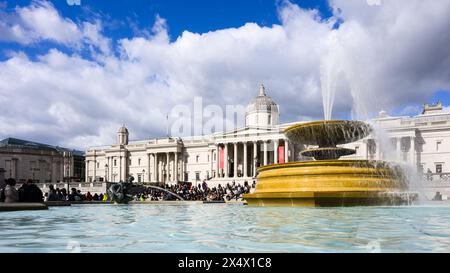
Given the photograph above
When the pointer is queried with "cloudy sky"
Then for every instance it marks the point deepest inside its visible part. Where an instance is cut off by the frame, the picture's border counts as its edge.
(71, 75)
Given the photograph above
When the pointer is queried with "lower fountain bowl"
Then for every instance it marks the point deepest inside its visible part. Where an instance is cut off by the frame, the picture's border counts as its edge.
(331, 183)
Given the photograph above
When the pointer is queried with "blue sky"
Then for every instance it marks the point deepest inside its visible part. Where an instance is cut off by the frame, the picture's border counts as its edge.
(71, 75)
(199, 16)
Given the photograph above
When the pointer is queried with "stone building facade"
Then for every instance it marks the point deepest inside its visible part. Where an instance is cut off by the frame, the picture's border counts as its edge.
(23, 160)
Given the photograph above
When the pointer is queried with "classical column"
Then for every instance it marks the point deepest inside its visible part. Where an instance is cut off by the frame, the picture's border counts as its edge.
(175, 169)
(87, 171)
(275, 151)
(211, 163)
(255, 157)
(167, 167)
(245, 160)
(111, 167)
(149, 172)
(155, 167)
(235, 157)
(225, 165)
(95, 169)
(120, 168)
(399, 148)
(412, 151)
(217, 161)
(286, 151)
(265, 152)
(182, 166)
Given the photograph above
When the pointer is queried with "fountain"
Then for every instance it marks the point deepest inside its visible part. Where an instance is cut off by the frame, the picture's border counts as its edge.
(327, 181)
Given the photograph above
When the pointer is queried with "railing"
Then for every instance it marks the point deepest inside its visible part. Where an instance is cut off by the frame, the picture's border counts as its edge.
(437, 177)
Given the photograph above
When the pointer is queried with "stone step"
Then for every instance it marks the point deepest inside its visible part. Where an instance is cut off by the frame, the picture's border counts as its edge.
(22, 206)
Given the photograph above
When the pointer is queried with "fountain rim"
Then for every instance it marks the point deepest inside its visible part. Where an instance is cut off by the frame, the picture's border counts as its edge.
(329, 162)
(319, 122)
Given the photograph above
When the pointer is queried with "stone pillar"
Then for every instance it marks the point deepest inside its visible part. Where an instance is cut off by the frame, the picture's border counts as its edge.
(149, 175)
(182, 166)
(265, 153)
(87, 171)
(255, 157)
(124, 168)
(275, 152)
(399, 148)
(175, 169)
(217, 161)
(111, 167)
(95, 169)
(160, 169)
(211, 163)
(286, 151)
(412, 151)
(155, 167)
(245, 160)
(120, 168)
(167, 167)
(235, 157)
(225, 165)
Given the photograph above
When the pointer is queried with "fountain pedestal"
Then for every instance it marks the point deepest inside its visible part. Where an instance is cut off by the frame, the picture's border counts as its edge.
(328, 181)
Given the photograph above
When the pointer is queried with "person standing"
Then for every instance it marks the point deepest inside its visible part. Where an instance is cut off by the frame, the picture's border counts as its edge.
(11, 194)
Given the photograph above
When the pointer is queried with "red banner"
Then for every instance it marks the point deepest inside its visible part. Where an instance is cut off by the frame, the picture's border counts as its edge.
(280, 154)
(221, 159)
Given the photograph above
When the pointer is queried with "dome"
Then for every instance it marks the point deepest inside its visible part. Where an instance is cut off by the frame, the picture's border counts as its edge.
(262, 103)
(123, 130)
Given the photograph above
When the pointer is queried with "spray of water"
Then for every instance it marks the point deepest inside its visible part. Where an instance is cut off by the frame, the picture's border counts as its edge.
(329, 72)
(340, 61)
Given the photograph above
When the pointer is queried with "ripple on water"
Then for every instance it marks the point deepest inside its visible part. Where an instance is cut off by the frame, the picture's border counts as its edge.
(225, 228)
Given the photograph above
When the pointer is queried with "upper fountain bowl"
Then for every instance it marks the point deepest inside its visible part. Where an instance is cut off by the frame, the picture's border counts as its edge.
(328, 133)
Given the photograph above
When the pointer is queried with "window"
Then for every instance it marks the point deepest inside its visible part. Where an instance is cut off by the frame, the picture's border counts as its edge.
(115, 162)
(439, 168)
(268, 119)
(215, 155)
(197, 176)
(139, 162)
(438, 145)
(197, 158)
(98, 165)
(129, 161)
(139, 178)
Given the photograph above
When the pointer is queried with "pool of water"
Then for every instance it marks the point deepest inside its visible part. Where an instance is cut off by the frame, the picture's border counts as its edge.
(226, 228)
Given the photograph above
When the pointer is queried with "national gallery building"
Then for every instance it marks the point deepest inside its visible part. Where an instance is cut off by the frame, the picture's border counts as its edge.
(220, 158)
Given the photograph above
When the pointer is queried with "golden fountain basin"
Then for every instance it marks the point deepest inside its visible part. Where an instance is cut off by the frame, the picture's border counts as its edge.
(329, 183)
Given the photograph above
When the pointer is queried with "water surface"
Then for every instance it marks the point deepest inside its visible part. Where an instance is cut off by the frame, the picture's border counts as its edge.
(225, 228)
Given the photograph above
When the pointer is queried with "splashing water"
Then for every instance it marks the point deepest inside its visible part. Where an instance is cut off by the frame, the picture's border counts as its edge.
(329, 71)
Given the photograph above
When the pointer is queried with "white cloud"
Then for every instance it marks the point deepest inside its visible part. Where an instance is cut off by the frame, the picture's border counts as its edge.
(394, 54)
(40, 21)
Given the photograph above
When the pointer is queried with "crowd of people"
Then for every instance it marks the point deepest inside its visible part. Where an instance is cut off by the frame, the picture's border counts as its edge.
(31, 193)
(74, 195)
(27, 193)
(201, 192)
